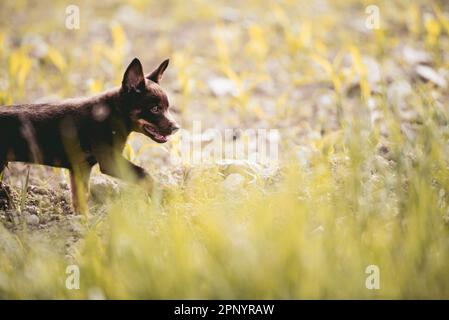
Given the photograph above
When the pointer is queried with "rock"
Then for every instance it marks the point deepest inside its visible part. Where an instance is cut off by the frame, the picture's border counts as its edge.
(230, 14)
(102, 187)
(429, 74)
(398, 91)
(12, 215)
(233, 182)
(64, 185)
(244, 167)
(70, 241)
(39, 48)
(222, 87)
(413, 56)
(250, 170)
(75, 228)
(31, 210)
(373, 70)
(38, 190)
(32, 219)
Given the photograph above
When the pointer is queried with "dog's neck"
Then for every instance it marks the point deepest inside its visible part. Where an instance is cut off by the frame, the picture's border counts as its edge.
(114, 101)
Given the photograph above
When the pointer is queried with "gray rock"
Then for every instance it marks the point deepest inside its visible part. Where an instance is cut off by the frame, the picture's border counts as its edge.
(31, 210)
(222, 87)
(76, 228)
(414, 56)
(32, 219)
(13, 216)
(64, 185)
(102, 187)
(234, 182)
(429, 74)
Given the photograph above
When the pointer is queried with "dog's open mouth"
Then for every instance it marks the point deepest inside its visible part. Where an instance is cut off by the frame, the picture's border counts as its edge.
(154, 134)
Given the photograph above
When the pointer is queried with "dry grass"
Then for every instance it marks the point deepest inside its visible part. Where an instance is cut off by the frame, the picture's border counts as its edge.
(363, 178)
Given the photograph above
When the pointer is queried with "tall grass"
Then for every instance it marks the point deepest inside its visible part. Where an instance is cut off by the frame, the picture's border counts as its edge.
(310, 236)
(363, 193)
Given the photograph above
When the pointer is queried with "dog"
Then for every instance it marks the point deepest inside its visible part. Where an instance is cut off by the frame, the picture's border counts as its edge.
(79, 133)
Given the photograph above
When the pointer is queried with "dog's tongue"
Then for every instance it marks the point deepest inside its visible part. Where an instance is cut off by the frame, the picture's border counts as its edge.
(160, 137)
(155, 135)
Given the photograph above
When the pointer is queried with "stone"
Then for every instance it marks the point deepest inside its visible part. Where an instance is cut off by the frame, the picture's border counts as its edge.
(102, 187)
(222, 87)
(233, 182)
(32, 220)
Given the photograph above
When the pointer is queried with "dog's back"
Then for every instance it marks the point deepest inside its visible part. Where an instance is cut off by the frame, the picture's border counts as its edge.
(43, 133)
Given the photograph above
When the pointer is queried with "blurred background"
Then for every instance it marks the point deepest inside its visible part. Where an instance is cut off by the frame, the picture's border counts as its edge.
(291, 65)
(233, 63)
(350, 85)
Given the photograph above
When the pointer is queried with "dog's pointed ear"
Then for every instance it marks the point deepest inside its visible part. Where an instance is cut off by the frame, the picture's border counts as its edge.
(133, 79)
(156, 75)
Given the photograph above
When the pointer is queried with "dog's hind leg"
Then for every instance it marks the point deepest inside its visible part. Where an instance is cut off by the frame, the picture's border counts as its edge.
(3, 164)
(79, 185)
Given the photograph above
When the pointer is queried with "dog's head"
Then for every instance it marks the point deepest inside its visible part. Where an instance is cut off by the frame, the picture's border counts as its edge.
(146, 103)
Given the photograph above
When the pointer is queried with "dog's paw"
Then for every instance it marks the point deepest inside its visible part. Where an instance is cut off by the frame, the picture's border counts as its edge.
(168, 190)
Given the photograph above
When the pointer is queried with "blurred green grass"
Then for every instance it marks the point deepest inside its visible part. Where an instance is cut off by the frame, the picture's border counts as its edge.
(364, 172)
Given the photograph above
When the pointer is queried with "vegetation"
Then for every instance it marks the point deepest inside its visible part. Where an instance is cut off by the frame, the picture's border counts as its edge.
(362, 177)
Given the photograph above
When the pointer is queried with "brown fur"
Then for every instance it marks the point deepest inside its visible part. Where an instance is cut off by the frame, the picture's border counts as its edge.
(77, 134)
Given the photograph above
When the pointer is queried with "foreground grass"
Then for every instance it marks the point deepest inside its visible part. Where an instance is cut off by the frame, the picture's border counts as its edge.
(352, 192)
(310, 236)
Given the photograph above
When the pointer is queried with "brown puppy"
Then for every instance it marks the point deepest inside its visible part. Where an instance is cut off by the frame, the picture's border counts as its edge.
(77, 134)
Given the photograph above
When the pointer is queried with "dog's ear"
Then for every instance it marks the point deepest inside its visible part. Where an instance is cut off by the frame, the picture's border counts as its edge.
(133, 79)
(156, 75)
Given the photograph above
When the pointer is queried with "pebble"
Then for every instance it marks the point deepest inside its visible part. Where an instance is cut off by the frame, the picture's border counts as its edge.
(222, 87)
(32, 220)
(102, 187)
(234, 182)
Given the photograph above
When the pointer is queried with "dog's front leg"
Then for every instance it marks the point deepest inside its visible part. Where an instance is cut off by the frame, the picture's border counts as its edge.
(123, 169)
(112, 162)
(79, 185)
(126, 170)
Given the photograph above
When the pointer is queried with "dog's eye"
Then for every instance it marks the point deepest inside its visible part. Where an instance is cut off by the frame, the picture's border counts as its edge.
(155, 109)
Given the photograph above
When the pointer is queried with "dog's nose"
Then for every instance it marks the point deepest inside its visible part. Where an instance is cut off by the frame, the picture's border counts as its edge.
(174, 128)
